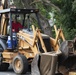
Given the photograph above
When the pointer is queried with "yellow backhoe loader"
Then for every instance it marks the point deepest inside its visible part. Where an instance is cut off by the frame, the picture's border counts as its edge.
(30, 42)
(30, 46)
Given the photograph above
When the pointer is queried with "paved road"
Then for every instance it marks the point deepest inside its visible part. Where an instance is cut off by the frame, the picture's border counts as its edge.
(11, 72)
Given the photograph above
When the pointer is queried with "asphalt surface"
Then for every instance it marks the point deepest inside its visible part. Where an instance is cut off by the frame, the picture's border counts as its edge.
(11, 72)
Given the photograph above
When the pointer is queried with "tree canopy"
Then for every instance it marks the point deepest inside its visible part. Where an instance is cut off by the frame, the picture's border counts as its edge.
(66, 17)
(64, 14)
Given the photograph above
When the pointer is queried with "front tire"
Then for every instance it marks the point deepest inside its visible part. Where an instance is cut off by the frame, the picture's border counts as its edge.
(20, 64)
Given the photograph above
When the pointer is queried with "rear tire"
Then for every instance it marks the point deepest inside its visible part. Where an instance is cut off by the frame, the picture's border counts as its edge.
(20, 64)
(4, 66)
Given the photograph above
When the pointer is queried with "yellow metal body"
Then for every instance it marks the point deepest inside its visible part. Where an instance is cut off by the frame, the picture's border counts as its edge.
(27, 44)
(72, 73)
(4, 18)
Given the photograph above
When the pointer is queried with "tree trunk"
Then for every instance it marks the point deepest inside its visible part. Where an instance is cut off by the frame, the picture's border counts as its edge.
(45, 26)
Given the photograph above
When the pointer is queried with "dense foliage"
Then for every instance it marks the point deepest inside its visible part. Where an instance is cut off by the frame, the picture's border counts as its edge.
(67, 17)
(64, 13)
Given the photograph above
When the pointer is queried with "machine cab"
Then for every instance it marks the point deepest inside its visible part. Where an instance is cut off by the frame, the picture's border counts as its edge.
(23, 17)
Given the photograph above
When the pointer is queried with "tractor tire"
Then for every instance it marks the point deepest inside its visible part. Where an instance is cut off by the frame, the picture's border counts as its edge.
(2, 45)
(4, 66)
(20, 64)
(0, 58)
(1, 48)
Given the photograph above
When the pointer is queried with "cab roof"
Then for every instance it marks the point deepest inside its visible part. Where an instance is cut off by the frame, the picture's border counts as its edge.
(20, 11)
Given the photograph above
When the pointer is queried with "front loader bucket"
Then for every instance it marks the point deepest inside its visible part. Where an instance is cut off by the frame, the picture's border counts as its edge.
(44, 64)
(68, 56)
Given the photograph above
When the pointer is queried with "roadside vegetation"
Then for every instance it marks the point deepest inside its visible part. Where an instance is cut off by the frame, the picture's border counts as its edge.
(63, 14)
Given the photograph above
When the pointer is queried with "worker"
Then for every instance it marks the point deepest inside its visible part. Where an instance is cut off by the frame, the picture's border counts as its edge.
(16, 25)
